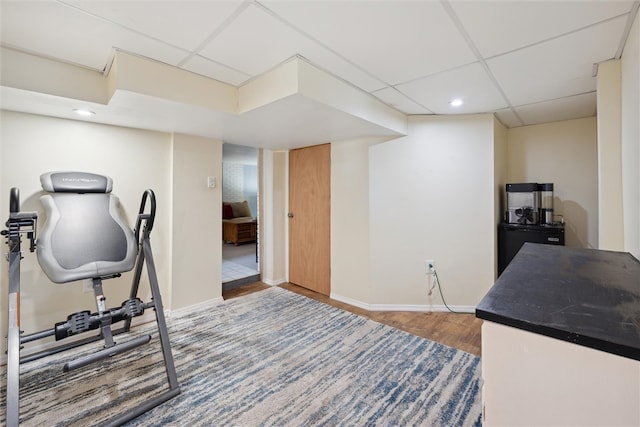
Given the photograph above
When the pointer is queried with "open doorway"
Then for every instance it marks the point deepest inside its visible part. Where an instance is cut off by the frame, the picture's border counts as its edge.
(240, 222)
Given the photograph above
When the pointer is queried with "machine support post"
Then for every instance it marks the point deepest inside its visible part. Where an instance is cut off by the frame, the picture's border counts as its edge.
(135, 284)
(13, 338)
(105, 322)
(17, 220)
(162, 324)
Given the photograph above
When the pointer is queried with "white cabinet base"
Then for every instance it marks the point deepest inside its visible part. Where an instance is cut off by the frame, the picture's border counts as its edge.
(534, 380)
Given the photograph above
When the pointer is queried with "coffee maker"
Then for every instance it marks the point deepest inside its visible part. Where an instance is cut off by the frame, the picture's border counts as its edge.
(523, 204)
(529, 204)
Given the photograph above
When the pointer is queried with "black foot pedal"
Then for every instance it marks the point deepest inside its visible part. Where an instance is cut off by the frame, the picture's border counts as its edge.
(133, 307)
(76, 323)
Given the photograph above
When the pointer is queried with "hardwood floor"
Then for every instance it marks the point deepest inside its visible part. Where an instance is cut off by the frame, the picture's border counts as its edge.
(461, 331)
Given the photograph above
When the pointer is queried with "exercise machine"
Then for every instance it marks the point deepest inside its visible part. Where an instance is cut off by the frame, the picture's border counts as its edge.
(84, 236)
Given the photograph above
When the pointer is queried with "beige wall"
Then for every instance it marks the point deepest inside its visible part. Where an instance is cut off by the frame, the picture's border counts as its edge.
(431, 197)
(534, 380)
(197, 218)
(135, 159)
(500, 170)
(564, 153)
(187, 257)
(273, 223)
(630, 134)
(350, 259)
(619, 148)
(610, 224)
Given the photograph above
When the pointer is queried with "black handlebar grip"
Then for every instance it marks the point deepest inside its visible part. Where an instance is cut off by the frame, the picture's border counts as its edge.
(14, 200)
(152, 214)
(150, 217)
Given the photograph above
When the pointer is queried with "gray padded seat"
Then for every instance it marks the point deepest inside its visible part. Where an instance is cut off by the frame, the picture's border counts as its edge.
(85, 235)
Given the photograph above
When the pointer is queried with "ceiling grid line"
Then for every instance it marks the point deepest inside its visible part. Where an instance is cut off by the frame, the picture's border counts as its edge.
(230, 19)
(319, 43)
(627, 29)
(525, 62)
(386, 85)
(121, 26)
(556, 37)
(456, 20)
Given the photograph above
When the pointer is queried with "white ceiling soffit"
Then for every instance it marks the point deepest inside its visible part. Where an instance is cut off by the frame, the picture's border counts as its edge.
(279, 110)
(501, 56)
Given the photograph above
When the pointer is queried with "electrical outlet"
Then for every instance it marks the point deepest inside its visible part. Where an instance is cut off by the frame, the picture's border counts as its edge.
(87, 286)
(429, 266)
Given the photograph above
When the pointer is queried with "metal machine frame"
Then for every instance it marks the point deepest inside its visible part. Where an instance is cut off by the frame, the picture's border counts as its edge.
(25, 223)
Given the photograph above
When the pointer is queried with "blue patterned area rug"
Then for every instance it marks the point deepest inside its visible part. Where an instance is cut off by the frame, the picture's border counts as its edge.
(272, 358)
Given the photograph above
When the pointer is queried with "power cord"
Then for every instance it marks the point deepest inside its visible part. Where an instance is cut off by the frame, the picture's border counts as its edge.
(435, 274)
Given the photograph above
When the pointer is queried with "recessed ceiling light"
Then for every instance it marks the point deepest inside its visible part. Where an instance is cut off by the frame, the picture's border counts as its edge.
(83, 112)
(456, 102)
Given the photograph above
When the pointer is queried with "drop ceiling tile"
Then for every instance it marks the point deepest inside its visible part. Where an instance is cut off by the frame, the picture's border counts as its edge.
(470, 83)
(501, 26)
(559, 67)
(572, 107)
(184, 23)
(334, 64)
(208, 68)
(395, 41)
(65, 33)
(255, 42)
(400, 102)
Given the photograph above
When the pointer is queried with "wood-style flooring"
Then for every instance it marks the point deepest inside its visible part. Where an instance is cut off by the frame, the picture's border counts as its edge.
(461, 331)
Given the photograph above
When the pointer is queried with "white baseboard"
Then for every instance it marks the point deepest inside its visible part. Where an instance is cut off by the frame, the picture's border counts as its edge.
(425, 308)
(275, 282)
(194, 307)
(351, 301)
(403, 307)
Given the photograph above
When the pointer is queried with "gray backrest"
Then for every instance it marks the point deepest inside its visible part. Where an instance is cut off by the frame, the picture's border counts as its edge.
(85, 234)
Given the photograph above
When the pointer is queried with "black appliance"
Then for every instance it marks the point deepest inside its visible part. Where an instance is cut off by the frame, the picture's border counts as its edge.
(511, 237)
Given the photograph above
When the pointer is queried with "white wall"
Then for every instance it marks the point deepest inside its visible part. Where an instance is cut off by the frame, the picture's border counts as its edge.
(534, 380)
(432, 197)
(197, 218)
(135, 159)
(350, 258)
(273, 231)
(610, 224)
(500, 169)
(564, 153)
(631, 140)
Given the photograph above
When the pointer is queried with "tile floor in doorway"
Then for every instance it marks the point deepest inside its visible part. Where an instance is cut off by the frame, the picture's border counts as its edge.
(239, 261)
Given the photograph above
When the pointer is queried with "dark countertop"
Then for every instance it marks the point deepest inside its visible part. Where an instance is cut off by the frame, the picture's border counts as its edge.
(584, 296)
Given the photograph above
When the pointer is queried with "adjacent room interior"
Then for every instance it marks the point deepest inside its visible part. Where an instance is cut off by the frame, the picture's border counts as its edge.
(240, 222)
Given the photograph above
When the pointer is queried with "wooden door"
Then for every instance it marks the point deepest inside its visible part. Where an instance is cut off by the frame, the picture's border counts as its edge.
(310, 218)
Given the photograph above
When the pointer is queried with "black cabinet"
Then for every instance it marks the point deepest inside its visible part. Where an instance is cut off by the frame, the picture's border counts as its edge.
(511, 237)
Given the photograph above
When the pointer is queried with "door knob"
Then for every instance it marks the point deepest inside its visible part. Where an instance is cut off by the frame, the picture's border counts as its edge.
(290, 214)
